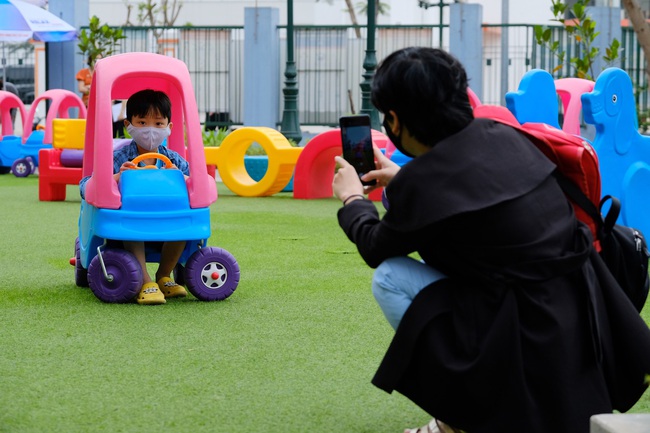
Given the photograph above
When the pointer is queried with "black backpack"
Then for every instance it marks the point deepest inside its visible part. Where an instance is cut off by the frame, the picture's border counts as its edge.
(623, 249)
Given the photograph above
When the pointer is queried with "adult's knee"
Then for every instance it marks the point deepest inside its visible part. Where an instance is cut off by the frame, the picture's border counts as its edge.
(384, 277)
(404, 276)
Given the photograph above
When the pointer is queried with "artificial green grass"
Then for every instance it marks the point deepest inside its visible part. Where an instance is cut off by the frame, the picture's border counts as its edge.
(292, 350)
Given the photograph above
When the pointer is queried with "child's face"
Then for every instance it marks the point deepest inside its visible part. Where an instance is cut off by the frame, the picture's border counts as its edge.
(155, 120)
(155, 128)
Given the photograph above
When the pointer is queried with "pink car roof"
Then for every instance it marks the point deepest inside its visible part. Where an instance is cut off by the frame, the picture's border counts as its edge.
(61, 101)
(8, 101)
(118, 77)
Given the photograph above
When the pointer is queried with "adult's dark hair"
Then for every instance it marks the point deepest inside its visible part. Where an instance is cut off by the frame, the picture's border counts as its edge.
(427, 89)
(148, 101)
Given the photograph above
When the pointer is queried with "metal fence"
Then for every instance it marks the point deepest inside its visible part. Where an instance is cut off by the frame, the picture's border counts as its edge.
(18, 60)
(330, 59)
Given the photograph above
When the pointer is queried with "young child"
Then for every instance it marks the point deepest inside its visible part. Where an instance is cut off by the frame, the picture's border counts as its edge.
(147, 121)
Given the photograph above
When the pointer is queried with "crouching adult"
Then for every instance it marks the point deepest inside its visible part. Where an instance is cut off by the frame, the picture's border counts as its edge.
(510, 322)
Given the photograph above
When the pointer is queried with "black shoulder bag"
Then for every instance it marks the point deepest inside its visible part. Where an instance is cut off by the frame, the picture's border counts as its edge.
(623, 249)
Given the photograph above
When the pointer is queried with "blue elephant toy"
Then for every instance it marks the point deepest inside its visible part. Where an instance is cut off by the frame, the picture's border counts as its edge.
(623, 152)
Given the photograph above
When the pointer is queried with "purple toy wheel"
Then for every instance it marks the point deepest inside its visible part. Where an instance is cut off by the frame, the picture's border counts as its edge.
(212, 274)
(32, 164)
(80, 274)
(21, 168)
(124, 273)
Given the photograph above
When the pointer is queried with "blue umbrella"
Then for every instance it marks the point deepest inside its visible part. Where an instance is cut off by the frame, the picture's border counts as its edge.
(21, 21)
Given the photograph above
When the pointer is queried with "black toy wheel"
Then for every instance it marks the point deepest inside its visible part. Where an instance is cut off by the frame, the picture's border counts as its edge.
(212, 274)
(80, 274)
(125, 276)
(21, 168)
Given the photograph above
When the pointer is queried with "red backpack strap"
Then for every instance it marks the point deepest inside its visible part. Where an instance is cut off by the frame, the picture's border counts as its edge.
(498, 113)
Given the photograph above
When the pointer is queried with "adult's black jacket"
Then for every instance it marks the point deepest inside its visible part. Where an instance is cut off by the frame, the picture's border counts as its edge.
(530, 333)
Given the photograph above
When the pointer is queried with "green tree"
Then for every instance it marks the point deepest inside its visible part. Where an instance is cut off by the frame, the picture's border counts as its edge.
(99, 40)
(582, 29)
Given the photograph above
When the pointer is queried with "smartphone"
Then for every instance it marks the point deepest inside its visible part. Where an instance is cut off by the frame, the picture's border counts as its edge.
(356, 138)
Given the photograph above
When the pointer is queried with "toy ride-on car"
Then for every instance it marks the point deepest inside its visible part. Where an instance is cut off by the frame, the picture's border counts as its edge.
(61, 104)
(153, 205)
(10, 144)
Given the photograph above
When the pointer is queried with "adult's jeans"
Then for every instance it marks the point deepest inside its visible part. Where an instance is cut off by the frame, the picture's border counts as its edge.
(397, 281)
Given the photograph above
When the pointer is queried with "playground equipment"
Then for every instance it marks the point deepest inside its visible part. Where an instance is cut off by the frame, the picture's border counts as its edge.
(61, 165)
(608, 104)
(570, 91)
(61, 102)
(315, 166)
(624, 153)
(474, 100)
(258, 165)
(57, 167)
(9, 143)
(536, 100)
(147, 205)
(229, 157)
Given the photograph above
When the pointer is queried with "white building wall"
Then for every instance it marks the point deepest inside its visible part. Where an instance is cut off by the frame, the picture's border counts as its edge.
(308, 12)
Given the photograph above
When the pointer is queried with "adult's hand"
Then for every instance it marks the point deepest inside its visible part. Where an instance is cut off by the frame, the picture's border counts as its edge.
(346, 181)
(383, 174)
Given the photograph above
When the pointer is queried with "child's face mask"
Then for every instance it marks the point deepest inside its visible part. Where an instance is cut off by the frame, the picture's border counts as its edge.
(148, 137)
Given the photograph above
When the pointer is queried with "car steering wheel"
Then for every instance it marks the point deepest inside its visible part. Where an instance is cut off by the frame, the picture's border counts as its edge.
(160, 156)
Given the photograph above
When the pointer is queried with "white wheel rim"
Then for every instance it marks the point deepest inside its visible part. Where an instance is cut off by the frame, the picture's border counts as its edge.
(21, 168)
(208, 275)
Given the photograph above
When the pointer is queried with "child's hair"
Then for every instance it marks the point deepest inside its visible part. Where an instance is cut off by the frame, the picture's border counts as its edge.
(148, 101)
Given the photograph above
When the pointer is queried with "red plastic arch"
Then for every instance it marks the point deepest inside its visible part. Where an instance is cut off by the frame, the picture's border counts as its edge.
(315, 166)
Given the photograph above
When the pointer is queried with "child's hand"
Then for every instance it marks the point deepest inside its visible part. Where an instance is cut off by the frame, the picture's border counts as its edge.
(128, 165)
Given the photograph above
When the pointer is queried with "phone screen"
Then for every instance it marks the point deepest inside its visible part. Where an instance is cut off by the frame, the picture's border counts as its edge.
(356, 138)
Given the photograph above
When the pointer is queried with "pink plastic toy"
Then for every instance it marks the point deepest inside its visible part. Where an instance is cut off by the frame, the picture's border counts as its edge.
(118, 77)
(570, 91)
(474, 100)
(315, 166)
(10, 144)
(8, 101)
(61, 101)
